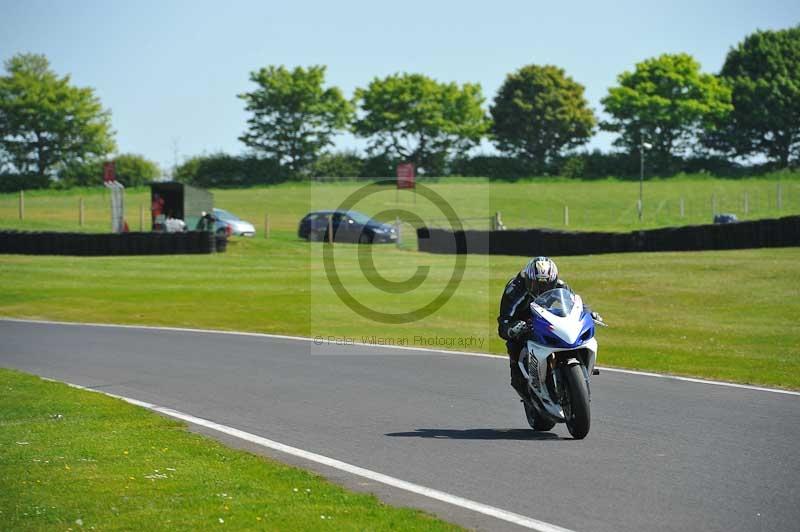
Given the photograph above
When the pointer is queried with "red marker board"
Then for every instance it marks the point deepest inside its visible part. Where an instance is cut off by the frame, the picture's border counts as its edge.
(109, 172)
(405, 175)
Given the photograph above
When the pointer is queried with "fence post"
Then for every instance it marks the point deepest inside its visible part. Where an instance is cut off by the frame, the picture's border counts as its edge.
(682, 209)
(498, 222)
(566, 214)
(80, 212)
(397, 229)
(266, 226)
(21, 205)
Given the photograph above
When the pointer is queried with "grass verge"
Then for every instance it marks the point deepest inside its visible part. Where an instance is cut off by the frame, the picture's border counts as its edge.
(603, 205)
(729, 315)
(72, 459)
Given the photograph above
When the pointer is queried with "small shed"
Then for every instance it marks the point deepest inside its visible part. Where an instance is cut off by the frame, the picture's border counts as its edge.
(181, 201)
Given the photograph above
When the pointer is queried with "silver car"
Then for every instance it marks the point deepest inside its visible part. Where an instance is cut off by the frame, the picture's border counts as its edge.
(234, 225)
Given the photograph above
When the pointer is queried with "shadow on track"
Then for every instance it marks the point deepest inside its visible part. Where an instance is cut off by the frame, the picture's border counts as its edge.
(477, 434)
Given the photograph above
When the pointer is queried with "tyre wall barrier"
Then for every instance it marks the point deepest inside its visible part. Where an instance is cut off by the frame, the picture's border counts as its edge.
(780, 232)
(107, 244)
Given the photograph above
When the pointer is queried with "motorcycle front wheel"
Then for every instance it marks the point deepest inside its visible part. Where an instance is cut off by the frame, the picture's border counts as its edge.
(576, 402)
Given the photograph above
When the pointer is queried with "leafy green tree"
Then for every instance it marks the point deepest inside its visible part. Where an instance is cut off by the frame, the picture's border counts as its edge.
(132, 170)
(223, 170)
(538, 112)
(665, 101)
(414, 118)
(763, 72)
(342, 164)
(45, 121)
(293, 116)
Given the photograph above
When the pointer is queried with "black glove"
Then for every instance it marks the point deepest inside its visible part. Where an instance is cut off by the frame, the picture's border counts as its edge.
(519, 328)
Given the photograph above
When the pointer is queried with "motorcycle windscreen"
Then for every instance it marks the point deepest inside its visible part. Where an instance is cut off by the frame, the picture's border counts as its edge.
(558, 301)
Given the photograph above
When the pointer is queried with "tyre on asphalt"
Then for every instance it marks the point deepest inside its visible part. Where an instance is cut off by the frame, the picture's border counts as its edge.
(576, 407)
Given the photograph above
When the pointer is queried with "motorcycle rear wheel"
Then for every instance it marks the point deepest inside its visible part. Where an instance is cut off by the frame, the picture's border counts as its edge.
(537, 422)
(576, 406)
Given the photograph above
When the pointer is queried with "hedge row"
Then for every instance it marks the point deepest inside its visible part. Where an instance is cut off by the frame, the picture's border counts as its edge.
(92, 244)
(780, 232)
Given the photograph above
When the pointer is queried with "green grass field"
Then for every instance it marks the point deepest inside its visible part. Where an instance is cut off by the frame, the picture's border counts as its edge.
(731, 315)
(77, 460)
(593, 205)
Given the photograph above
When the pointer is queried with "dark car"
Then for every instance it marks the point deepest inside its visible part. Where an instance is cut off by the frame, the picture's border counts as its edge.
(725, 218)
(348, 226)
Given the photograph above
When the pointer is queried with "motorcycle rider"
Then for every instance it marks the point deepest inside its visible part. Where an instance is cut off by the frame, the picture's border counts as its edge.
(539, 275)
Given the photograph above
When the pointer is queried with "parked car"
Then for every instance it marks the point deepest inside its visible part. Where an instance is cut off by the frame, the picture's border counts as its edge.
(725, 218)
(348, 226)
(232, 224)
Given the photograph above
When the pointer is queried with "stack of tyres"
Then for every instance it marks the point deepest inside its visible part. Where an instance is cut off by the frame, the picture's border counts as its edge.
(117, 244)
(57, 243)
(88, 244)
(198, 239)
(221, 243)
(30, 245)
(105, 244)
(181, 243)
(130, 244)
(162, 243)
(208, 242)
(6, 242)
(150, 243)
(143, 243)
(68, 244)
(100, 245)
(15, 242)
(791, 230)
(773, 233)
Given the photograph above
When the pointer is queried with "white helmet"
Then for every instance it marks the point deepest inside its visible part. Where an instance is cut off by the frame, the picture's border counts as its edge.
(540, 274)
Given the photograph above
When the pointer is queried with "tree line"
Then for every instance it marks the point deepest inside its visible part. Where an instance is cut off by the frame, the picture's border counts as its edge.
(682, 118)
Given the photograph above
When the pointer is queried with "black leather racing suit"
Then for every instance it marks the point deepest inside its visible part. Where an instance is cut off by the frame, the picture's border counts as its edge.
(515, 306)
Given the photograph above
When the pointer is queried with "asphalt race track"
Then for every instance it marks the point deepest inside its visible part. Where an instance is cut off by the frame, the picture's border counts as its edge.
(662, 454)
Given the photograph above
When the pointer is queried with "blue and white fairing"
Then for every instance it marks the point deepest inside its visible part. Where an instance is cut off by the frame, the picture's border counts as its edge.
(559, 322)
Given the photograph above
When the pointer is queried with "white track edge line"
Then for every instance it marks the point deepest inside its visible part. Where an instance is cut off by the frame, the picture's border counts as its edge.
(455, 500)
(402, 348)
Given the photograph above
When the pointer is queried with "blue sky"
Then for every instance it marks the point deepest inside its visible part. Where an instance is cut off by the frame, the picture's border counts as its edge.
(170, 71)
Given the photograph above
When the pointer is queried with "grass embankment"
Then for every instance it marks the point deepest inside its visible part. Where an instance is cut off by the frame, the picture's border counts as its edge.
(72, 459)
(732, 315)
(608, 205)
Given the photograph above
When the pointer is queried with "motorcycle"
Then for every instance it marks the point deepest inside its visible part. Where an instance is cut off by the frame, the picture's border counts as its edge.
(557, 361)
